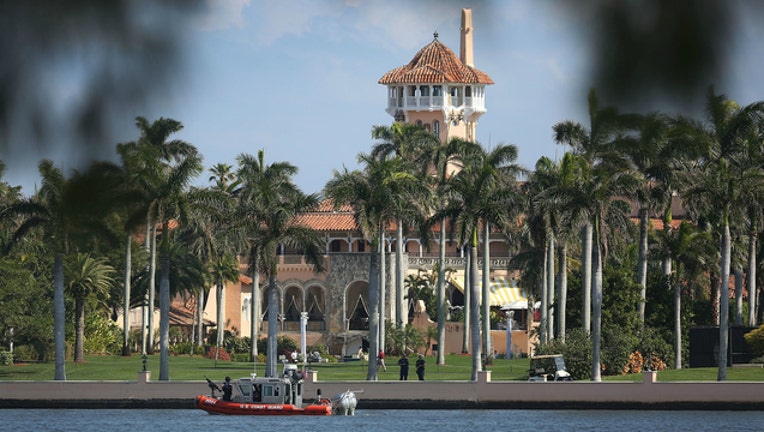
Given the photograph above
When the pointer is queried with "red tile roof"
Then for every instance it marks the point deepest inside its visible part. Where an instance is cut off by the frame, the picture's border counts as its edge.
(326, 218)
(435, 63)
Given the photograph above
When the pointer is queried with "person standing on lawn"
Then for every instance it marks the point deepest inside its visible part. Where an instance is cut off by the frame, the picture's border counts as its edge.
(403, 362)
(420, 367)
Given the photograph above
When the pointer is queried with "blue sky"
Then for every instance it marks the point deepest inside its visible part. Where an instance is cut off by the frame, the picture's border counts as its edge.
(298, 78)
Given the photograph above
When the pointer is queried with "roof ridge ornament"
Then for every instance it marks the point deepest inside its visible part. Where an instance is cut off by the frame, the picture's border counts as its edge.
(435, 34)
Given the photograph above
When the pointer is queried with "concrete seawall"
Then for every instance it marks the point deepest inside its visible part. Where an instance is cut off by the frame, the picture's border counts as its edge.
(647, 394)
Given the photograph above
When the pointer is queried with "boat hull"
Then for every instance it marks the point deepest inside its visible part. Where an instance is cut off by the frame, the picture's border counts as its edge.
(219, 406)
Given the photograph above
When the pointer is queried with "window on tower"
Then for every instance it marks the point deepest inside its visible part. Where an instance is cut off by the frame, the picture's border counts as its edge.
(436, 127)
(437, 90)
(425, 90)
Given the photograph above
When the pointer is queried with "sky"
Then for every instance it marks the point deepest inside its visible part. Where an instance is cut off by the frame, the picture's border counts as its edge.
(298, 78)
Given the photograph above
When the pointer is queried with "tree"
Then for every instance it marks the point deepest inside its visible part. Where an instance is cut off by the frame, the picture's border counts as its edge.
(373, 193)
(608, 181)
(70, 212)
(278, 203)
(86, 276)
(262, 187)
(412, 144)
(481, 193)
(717, 183)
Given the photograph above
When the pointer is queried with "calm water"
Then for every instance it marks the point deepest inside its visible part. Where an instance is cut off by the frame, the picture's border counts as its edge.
(382, 421)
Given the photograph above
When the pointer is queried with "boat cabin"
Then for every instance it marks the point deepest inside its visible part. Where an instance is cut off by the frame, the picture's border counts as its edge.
(287, 389)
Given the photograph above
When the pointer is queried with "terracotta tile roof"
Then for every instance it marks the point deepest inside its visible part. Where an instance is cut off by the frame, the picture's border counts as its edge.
(435, 63)
(325, 218)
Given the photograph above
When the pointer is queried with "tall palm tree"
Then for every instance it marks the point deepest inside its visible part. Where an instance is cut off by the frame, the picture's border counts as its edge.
(716, 184)
(690, 249)
(151, 158)
(373, 193)
(69, 211)
(86, 276)
(482, 191)
(412, 144)
(262, 186)
(609, 180)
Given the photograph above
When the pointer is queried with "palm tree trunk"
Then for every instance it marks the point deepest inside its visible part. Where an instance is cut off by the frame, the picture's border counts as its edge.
(144, 308)
(586, 276)
(467, 300)
(382, 287)
(400, 307)
(200, 317)
(152, 290)
(562, 298)
(271, 365)
(486, 300)
(752, 279)
(126, 302)
(544, 316)
(220, 318)
(550, 289)
(59, 315)
(164, 306)
(724, 303)
(642, 264)
(79, 338)
(371, 373)
(474, 310)
(738, 296)
(596, 308)
(442, 294)
(255, 313)
(677, 323)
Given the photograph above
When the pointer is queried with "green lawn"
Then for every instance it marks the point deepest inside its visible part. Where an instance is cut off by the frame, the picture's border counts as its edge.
(184, 368)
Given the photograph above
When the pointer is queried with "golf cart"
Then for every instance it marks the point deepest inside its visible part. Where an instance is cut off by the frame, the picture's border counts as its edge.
(548, 368)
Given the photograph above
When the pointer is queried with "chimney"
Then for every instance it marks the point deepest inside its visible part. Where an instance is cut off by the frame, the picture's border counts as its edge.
(465, 50)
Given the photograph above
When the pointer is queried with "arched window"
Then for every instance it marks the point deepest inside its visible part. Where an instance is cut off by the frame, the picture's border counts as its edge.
(419, 123)
(425, 90)
(436, 127)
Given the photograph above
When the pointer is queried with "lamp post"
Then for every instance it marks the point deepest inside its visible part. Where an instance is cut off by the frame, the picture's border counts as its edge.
(303, 331)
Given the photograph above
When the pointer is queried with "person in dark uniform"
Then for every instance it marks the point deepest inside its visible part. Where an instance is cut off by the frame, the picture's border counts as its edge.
(227, 389)
(420, 367)
(403, 362)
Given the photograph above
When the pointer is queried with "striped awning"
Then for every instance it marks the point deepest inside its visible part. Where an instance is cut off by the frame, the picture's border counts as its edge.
(502, 292)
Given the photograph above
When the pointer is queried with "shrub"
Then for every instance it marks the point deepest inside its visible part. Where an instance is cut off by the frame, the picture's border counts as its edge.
(26, 354)
(222, 354)
(182, 348)
(755, 339)
(102, 336)
(577, 351)
(617, 346)
(6, 358)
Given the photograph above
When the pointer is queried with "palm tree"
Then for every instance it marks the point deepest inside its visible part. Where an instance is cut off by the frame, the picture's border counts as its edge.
(412, 144)
(225, 179)
(86, 276)
(609, 181)
(481, 194)
(690, 249)
(718, 181)
(69, 212)
(151, 158)
(262, 186)
(373, 193)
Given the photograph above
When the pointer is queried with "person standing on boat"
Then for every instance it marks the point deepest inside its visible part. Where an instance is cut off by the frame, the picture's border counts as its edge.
(403, 362)
(420, 367)
(227, 389)
(381, 360)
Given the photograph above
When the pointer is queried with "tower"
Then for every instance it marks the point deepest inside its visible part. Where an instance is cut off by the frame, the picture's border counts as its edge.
(438, 90)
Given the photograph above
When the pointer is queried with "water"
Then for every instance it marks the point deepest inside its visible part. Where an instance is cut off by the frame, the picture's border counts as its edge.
(382, 421)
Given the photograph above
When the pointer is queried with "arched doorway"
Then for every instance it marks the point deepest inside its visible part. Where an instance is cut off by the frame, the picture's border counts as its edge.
(357, 310)
(316, 308)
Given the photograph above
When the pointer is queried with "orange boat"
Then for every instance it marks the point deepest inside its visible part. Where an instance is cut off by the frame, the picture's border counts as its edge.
(218, 406)
(265, 396)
